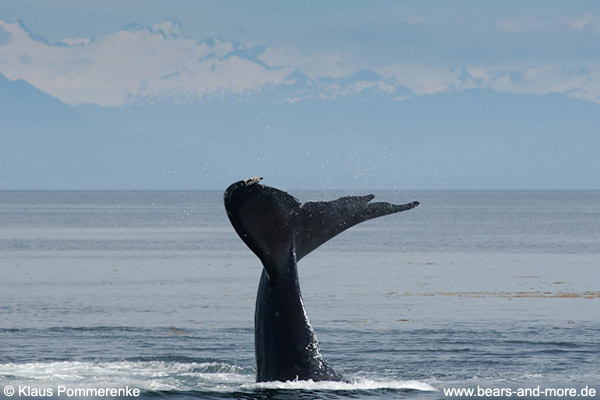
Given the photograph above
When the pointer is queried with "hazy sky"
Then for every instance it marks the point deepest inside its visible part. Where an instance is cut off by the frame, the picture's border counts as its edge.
(516, 47)
(131, 53)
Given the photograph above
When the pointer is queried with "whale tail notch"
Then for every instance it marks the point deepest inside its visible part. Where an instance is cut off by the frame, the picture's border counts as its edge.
(269, 220)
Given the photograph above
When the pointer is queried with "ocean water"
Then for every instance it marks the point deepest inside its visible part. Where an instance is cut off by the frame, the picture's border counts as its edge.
(155, 291)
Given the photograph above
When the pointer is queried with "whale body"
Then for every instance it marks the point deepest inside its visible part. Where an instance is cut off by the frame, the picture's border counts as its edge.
(281, 231)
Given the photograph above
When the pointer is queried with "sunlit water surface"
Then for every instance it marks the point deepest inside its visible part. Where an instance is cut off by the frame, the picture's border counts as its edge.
(154, 290)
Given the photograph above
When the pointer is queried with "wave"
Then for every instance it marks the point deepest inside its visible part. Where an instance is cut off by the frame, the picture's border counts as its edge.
(144, 375)
(352, 385)
(175, 377)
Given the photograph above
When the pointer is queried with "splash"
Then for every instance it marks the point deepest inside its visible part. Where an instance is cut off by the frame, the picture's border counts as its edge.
(146, 376)
(161, 376)
(356, 384)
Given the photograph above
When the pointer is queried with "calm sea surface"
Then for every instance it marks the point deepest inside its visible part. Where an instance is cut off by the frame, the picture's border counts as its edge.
(155, 291)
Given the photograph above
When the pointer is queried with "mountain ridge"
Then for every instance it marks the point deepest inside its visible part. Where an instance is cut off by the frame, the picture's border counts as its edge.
(477, 139)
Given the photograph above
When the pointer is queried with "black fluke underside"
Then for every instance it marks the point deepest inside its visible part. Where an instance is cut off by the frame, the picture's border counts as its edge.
(280, 231)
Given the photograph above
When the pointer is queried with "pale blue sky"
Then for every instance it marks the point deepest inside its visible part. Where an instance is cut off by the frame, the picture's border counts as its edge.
(140, 55)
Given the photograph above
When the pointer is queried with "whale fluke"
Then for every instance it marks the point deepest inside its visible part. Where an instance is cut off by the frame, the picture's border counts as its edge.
(281, 231)
(320, 221)
(267, 218)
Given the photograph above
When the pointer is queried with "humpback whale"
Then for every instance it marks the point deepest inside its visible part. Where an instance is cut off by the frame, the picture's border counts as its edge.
(281, 231)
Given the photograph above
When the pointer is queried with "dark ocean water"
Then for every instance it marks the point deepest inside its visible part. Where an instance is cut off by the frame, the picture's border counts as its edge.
(155, 291)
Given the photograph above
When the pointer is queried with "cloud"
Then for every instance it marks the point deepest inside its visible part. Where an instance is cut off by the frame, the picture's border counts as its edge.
(314, 65)
(423, 79)
(4, 36)
(582, 22)
(147, 65)
(137, 64)
(580, 81)
(535, 80)
(75, 41)
(414, 20)
(521, 25)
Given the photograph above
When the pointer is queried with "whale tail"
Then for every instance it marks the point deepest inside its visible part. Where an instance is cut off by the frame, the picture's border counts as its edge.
(270, 220)
(280, 231)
